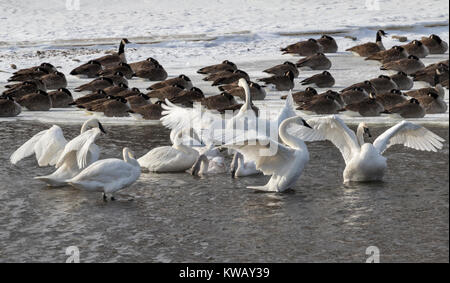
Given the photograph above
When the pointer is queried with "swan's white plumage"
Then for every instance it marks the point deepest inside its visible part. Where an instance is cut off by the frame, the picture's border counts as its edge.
(47, 145)
(108, 175)
(410, 135)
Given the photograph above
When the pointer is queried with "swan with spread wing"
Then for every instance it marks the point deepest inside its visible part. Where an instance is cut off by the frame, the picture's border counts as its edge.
(365, 161)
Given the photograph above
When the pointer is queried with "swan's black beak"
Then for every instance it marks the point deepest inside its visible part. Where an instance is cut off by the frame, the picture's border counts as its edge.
(367, 131)
(100, 126)
(233, 174)
(306, 124)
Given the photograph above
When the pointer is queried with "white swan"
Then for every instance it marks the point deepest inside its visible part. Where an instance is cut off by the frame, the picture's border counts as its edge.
(206, 165)
(176, 158)
(364, 161)
(240, 168)
(284, 162)
(77, 154)
(108, 175)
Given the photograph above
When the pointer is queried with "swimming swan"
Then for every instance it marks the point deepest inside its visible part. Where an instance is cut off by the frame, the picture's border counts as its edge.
(240, 168)
(364, 161)
(77, 154)
(284, 162)
(108, 175)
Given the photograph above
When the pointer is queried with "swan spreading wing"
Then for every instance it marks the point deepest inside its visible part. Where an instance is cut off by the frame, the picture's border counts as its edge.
(331, 128)
(410, 135)
(277, 163)
(82, 145)
(47, 145)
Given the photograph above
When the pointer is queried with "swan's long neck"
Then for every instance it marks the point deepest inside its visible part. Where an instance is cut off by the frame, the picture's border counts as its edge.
(238, 161)
(129, 158)
(288, 139)
(178, 144)
(248, 98)
(85, 126)
(360, 135)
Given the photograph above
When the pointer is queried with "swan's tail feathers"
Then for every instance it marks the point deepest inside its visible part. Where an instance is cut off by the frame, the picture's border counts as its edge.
(261, 188)
(52, 182)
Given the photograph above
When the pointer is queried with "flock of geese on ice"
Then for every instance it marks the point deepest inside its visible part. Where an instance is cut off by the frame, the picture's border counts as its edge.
(198, 136)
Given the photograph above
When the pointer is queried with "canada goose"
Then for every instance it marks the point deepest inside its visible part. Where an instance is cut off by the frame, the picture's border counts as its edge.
(187, 97)
(408, 109)
(100, 83)
(432, 103)
(409, 65)
(391, 98)
(166, 92)
(116, 58)
(256, 91)
(155, 73)
(285, 82)
(46, 66)
(128, 92)
(61, 98)
(321, 105)
(369, 107)
(21, 89)
(369, 48)
(217, 75)
(117, 78)
(328, 44)
(281, 69)
(336, 95)
(116, 107)
(89, 97)
(115, 89)
(149, 111)
(138, 100)
(402, 81)
(38, 82)
(383, 84)
(427, 74)
(435, 44)
(122, 67)
(237, 107)
(37, 101)
(145, 64)
(366, 85)
(88, 70)
(231, 78)
(218, 101)
(417, 48)
(8, 107)
(35, 74)
(317, 61)
(224, 66)
(303, 48)
(180, 80)
(95, 104)
(54, 80)
(303, 96)
(354, 95)
(393, 54)
(324, 79)
(438, 89)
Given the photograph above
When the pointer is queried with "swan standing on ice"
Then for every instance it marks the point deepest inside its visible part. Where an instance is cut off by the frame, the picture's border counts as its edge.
(76, 155)
(364, 161)
(176, 158)
(284, 162)
(108, 175)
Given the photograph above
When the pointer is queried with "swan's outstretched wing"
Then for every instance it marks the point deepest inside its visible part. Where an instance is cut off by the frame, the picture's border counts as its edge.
(81, 145)
(331, 128)
(410, 135)
(288, 109)
(47, 145)
(202, 122)
(261, 151)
